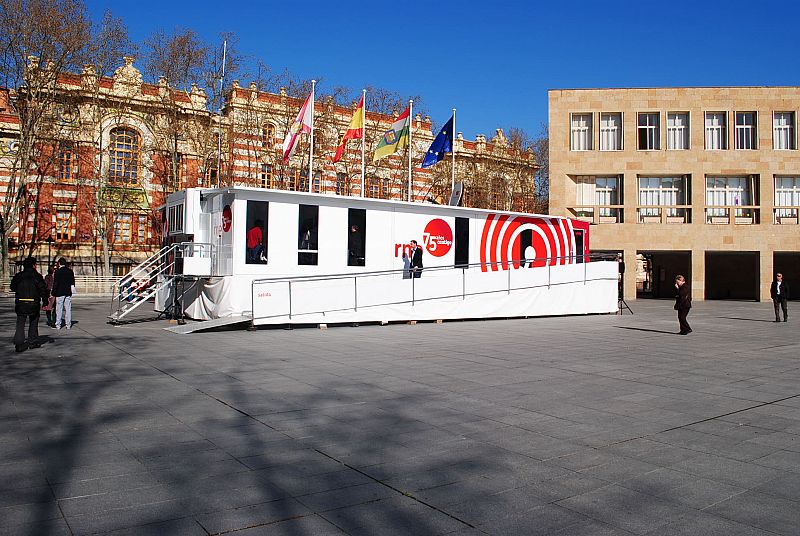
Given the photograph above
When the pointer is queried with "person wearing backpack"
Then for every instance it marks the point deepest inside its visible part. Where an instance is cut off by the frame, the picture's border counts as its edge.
(29, 290)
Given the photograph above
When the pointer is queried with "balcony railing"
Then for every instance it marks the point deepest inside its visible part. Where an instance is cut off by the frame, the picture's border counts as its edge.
(786, 215)
(732, 214)
(596, 214)
(664, 213)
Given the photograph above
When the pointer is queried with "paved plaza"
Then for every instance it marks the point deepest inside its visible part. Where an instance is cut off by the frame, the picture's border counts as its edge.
(596, 425)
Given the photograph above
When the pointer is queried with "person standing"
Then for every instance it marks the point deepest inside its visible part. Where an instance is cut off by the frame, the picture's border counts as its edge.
(683, 302)
(779, 291)
(355, 247)
(63, 288)
(29, 289)
(416, 259)
(50, 307)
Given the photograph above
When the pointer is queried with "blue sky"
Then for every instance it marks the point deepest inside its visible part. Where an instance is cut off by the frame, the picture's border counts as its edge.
(495, 61)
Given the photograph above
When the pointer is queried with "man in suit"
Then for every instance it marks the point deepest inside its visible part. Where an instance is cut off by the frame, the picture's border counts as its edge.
(416, 259)
(30, 289)
(683, 302)
(779, 291)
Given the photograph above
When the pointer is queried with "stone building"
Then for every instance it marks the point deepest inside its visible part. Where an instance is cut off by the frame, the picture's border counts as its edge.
(703, 182)
(115, 146)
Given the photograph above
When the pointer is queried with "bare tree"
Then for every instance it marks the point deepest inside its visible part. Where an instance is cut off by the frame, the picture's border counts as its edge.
(41, 38)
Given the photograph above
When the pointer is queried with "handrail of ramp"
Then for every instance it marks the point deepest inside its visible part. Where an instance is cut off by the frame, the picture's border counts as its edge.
(403, 274)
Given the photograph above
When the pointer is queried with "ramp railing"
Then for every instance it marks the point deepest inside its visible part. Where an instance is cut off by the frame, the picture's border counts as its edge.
(153, 275)
(295, 297)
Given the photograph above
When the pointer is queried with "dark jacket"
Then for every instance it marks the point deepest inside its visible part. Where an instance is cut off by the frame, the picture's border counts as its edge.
(63, 281)
(29, 288)
(416, 259)
(683, 298)
(773, 291)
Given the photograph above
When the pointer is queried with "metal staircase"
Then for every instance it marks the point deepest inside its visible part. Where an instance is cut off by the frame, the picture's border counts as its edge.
(147, 279)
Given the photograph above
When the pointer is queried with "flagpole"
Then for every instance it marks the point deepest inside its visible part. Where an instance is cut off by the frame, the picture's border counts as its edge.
(410, 128)
(453, 150)
(311, 140)
(363, 135)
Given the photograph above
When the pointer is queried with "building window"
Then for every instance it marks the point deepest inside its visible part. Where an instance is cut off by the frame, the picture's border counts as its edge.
(67, 162)
(716, 131)
(122, 228)
(341, 184)
(787, 194)
(724, 192)
(141, 229)
(268, 136)
(266, 176)
(317, 184)
(211, 176)
(124, 156)
(297, 181)
(660, 192)
(783, 131)
(175, 172)
(593, 190)
(677, 131)
(746, 130)
(611, 131)
(581, 129)
(649, 130)
(65, 225)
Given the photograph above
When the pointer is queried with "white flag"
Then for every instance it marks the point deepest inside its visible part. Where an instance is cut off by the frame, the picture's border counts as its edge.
(301, 125)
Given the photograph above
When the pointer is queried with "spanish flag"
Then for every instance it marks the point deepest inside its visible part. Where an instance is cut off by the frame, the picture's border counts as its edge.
(354, 132)
(395, 138)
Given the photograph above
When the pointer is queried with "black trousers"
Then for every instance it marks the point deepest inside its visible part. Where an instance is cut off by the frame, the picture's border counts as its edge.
(682, 313)
(33, 328)
(780, 304)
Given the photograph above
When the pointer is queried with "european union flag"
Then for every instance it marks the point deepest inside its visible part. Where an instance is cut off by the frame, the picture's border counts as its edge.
(442, 143)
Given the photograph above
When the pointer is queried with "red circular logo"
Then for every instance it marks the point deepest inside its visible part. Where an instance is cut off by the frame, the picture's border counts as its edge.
(438, 237)
(227, 218)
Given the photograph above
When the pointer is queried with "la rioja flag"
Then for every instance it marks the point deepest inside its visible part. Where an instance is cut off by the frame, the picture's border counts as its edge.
(301, 125)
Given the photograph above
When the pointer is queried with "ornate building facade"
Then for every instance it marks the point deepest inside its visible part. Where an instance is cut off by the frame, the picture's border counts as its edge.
(112, 148)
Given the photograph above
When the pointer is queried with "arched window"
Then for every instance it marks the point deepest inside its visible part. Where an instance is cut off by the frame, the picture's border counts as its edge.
(268, 136)
(124, 148)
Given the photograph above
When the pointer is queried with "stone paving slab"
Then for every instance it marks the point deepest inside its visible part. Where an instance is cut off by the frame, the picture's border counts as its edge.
(596, 425)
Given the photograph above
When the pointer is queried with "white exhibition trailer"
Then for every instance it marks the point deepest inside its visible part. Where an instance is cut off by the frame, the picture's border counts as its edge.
(301, 258)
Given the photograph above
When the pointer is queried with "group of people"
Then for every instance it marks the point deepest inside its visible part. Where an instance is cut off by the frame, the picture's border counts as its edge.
(34, 293)
(778, 291)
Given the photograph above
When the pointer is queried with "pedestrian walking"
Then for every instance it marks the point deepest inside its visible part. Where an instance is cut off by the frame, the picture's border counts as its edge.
(29, 291)
(683, 302)
(779, 291)
(63, 289)
(49, 307)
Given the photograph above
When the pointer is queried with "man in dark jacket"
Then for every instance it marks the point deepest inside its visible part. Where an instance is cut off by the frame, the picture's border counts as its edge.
(30, 289)
(683, 302)
(779, 291)
(416, 259)
(63, 283)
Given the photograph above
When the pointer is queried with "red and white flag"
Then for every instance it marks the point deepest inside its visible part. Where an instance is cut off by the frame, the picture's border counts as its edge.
(301, 125)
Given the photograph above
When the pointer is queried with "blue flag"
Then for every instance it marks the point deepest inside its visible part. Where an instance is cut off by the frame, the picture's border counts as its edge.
(442, 143)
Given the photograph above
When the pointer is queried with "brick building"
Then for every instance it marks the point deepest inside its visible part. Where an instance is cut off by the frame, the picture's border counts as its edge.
(116, 146)
(699, 181)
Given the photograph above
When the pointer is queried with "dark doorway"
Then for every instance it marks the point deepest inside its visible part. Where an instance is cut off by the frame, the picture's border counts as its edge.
(732, 275)
(787, 263)
(357, 236)
(656, 271)
(579, 245)
(462, 242)
(308, 231)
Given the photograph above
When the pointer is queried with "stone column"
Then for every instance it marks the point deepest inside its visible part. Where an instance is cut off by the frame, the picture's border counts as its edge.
(629, 256)
(697, 280)
(767, 273)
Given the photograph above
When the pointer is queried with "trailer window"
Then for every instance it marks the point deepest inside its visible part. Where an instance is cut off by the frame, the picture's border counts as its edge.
(357, 236)
(462, 242)
(256, 251)
(526, 251)
(308, 230)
